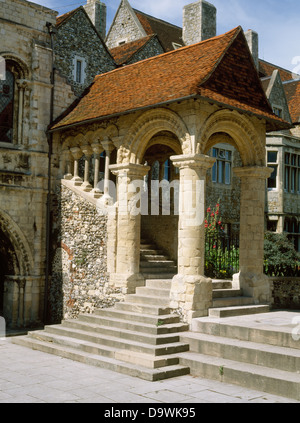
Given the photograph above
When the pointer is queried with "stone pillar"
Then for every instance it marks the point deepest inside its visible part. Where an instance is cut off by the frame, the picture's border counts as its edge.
(191, 291)
(68, 162)
(77, 154)
(21, 84)
(87, 151)
(97, 149)
(108, 147)
(129, 180)
(251, 278)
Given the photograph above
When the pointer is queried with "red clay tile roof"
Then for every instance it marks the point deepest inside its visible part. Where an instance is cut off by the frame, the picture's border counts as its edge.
(217, 69)
(167, 33)
(292, 91)
(62, 18)
(122, 54)
(266, 69)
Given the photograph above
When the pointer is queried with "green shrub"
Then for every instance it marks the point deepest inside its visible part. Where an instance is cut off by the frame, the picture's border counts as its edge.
(281, 258)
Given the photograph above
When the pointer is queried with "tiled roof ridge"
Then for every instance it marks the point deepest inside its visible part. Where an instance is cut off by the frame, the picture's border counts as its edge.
(234, 33)
(140, 43)
(156, 19)
(275, 66)
(65, 16)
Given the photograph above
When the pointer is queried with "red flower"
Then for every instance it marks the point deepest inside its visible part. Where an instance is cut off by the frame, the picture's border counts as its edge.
(208, 210)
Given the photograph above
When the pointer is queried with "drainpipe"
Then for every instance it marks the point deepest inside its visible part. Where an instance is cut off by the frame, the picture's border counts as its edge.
(52, 31)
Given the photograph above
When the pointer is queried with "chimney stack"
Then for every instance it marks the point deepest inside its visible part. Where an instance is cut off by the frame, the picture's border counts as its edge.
(97, 14)
(252, 40)
(199, 22)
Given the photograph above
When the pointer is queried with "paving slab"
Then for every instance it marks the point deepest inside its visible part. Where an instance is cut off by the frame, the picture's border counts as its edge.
(29, 376)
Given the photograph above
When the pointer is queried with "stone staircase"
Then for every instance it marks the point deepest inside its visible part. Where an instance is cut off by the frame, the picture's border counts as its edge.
(141, 337)
(227, 301)
(138, 337)
(263, 358)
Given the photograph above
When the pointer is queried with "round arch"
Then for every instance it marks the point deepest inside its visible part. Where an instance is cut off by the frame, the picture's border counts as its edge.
(22, 68)
(150, 124)
(23, 261)
(236, 130)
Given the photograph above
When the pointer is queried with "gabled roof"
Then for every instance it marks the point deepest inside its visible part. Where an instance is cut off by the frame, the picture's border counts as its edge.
(266, 69)
(124, 53)
(63, 18)
(167, 33)
(220, 69)
(292, 91)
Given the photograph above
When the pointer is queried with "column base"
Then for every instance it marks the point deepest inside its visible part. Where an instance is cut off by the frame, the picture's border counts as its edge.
(106, 200)
(254, 285)
(191, 295)
(127, 283)
(77, 181)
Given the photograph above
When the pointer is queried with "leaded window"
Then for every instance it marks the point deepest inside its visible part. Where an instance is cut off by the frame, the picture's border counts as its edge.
(7, 107)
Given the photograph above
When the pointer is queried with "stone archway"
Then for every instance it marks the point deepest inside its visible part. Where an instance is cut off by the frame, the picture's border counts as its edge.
(247, 135)
(16, 266)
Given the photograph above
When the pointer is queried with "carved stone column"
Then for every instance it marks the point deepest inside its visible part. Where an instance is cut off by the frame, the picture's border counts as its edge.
(21, 84)
(97, 149)
(87, 151)
(68, 164)
(77, 154)
(129, 181)
(191, 291)
(251, 278)
(108, 147)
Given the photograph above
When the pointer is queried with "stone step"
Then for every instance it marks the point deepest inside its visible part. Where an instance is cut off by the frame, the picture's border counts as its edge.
(147, 300)
(151, 251)
(159, 283)
(232, 328)
(153, 257)
(124, 334)
(242, 310)
(114, 341)
(252, 376)
(232, 301)
(153, 292)
(104, 362)
(221, 284)
(142, 308)
(225, 293)
(165, 275)
(125, 315)
(159, 264)
(281, 358)
(157, 328)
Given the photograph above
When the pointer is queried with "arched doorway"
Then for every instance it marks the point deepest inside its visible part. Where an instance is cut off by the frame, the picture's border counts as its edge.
(9, 266)
(160, 224)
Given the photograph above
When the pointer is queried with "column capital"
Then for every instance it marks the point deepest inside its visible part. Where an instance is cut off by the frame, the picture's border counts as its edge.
(130, 170)
(97, 148)
(194, 161)
(107, 145)
(258, 172)
(77, 153)
(87, 150)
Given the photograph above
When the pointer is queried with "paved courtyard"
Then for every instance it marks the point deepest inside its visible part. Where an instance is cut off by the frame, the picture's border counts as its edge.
(28, 376)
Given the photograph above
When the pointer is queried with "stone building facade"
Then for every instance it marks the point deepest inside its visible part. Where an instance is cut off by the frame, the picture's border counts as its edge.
(64, 224)
(145, 129)
(25, 114)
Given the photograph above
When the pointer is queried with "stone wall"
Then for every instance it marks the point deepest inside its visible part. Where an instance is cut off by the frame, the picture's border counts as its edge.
(151, 49)
(286, 293)
(77, 38)
(126, 27)
(79, 278)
